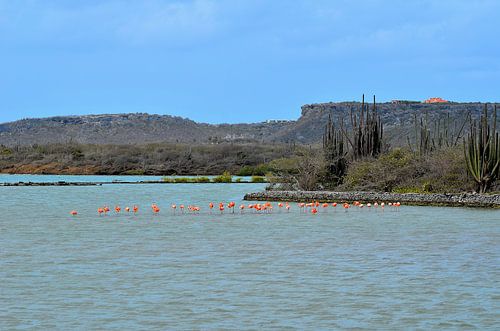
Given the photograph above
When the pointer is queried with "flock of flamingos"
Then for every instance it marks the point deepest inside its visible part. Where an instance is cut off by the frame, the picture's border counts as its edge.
(267, 207)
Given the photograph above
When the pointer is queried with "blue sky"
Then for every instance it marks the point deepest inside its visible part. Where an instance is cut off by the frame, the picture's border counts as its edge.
(240, 60)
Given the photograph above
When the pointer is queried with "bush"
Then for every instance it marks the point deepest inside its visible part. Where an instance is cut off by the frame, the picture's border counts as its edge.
(5, 151)
(258, 179)
(224, 178)
(202, 180)
(246, 171)
(154, 159)
(284, 165)
(186, 180)
(402, 172)
(304, 172)
(258, 170)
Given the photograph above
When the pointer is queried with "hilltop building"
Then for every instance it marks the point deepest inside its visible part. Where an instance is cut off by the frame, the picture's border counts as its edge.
(436, 100)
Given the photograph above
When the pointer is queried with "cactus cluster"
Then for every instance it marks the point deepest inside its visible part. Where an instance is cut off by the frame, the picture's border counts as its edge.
(365, 140)
(444, 133)
(335, 152)
(367, 132)
(482, 150)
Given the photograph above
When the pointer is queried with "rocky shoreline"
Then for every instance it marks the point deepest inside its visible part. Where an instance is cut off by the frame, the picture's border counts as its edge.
(452, 200)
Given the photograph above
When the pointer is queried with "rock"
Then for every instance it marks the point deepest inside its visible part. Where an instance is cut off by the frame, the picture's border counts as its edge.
(459, 199)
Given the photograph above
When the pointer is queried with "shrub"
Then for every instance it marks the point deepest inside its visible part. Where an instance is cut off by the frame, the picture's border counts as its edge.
(258, 170)
(403, 172)
(5, 151)
(246, 171)
(410, 189)
(258, 179)
(284, 165)
(202, 180)
(224, 178)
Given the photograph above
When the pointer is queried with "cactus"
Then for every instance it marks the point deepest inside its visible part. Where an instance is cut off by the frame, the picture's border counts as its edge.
(442, 135)
(482, 151)
(335, 152)
(367, 132)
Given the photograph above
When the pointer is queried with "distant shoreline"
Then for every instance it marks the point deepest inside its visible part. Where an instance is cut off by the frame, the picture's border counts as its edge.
(416, 199)
(64, 183)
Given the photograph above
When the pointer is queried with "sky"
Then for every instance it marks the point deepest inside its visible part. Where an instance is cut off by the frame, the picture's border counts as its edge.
(229, 61)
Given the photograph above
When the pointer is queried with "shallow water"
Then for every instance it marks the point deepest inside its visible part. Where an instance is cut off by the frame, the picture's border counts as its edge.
(421, 267)
(6, 178)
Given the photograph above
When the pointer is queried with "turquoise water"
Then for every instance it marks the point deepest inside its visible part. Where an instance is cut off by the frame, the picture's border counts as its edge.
(418, 268)
(6, 178)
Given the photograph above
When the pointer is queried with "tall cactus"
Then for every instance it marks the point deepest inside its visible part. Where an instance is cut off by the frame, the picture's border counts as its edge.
(482, 151)
(335, 152)
(367, 132)
(446, 133)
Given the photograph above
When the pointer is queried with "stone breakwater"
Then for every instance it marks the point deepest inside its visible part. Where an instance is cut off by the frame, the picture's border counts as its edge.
(459, 200)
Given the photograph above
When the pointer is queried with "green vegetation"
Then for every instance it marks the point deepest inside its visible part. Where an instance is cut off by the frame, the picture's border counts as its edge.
(186, 180)
(258, 179)
(367, 132)
(482, 151)
(5, 151)
(355, 156)
(446, 132)
(224, 178)
(435, 163)
(163, 159)
(401, 171)
(335, 153)
(258, 170)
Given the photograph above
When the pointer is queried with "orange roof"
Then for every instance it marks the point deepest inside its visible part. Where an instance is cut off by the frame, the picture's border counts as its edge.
(435, 100)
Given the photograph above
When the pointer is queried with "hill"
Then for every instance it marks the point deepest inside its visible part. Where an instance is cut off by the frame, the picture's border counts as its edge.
(141, 128)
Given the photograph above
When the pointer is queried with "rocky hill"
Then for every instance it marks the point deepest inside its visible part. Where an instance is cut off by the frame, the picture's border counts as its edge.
(141, 128)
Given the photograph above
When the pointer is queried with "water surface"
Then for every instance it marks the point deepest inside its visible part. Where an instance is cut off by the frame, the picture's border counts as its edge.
(7, 178)
(421, 267)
